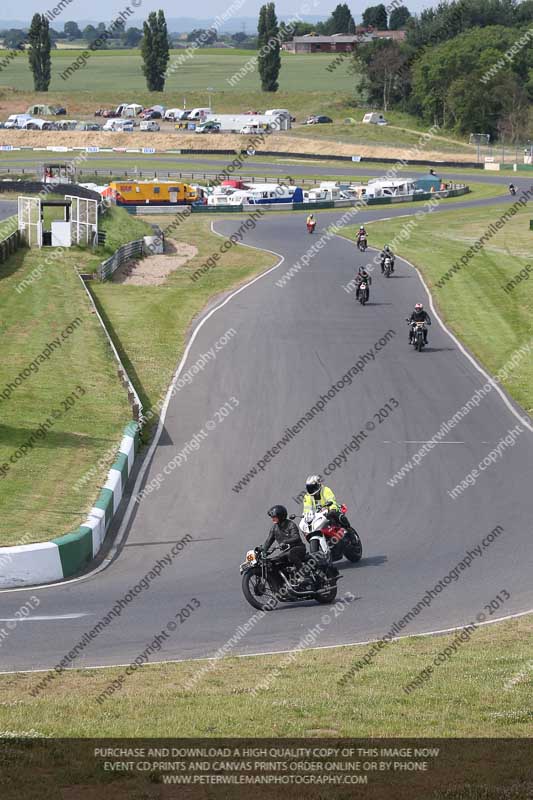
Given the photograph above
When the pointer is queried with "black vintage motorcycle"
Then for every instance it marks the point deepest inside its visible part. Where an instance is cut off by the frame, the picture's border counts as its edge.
(418, 339)
(267, 582)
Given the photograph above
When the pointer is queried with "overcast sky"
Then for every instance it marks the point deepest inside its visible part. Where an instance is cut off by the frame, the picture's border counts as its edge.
(105, 10)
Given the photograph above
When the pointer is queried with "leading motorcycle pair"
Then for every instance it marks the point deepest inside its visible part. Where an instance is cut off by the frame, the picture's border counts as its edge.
(267, 582)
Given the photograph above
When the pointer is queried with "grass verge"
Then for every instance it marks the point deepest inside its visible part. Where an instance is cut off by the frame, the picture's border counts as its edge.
(52, 348)
(465, 697)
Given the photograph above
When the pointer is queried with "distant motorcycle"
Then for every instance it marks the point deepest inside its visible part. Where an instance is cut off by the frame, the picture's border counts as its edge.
(387, 267)
(311, 227)
(512, 189)
(362, 243)
(418, 335)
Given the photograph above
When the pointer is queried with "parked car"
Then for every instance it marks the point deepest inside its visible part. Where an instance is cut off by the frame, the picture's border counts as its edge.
(149, 125)
(208, 127)
(317, 119)
(120, 125)
(87, 126)
(150, 113)
(39, 125)
(247, 129)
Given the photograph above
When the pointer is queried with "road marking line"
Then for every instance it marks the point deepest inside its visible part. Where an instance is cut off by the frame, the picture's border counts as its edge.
(42, 618)
(423, 442)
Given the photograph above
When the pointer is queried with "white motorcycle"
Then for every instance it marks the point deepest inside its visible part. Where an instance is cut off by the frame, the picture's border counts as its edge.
(311, 525)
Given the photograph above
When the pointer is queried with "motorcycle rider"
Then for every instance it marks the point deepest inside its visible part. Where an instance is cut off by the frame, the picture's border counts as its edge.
(311, 220)
(362, 275)
(318, 495)
(512, 188)
(287, 535)
(387, 253)
(419, 315)
(361, 233)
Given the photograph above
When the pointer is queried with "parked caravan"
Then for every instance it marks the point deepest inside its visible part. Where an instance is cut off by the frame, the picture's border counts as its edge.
(373, 118)
(132, 110)
(172, 114)
(161, 193)
(267, 194)
(199, 114)
(390, 188)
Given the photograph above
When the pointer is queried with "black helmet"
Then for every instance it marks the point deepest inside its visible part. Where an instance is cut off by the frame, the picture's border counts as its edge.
(278, 511)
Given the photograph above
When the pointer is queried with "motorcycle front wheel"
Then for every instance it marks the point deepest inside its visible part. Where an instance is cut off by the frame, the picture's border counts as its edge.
(257, 591)
(325, 599)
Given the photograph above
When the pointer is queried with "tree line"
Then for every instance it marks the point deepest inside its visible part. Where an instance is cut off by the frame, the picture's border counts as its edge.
(155, 42)
(466, 65)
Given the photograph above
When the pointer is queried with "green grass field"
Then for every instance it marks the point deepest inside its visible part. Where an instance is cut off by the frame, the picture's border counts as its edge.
(305, 87)
(207, 68)
(37, 496)
(464, 698)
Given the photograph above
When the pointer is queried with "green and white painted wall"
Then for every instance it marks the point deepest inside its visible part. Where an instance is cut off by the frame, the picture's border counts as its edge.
(67, 555)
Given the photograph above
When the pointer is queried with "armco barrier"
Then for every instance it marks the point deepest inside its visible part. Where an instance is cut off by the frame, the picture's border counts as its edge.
(124, 253)
(9, 245)
(38, 187)
(287, 154)
(133, 398)
(46, 562)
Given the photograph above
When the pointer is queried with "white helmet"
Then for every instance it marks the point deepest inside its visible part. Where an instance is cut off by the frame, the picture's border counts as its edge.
(313, 484)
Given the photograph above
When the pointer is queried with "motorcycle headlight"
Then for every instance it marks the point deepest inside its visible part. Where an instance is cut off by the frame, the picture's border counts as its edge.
(250, 555)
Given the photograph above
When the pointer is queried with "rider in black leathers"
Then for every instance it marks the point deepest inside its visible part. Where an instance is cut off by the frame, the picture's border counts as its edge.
(287, 535)
(419, 315)
(361, 276)
(387, 252)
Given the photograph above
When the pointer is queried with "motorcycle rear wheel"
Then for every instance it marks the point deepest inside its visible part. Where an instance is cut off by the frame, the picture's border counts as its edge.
(353, 550)
(257, 593)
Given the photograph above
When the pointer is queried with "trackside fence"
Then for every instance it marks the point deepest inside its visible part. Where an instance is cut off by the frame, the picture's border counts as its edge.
(9, 245)
(124, 253)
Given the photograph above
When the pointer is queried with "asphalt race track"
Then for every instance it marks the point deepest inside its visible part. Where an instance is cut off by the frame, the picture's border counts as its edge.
(7, 208)
(292, 343)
